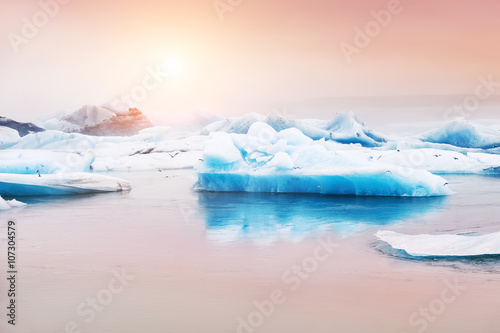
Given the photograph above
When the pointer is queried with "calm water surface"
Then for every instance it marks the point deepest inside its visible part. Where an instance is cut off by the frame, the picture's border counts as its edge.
(200, 262)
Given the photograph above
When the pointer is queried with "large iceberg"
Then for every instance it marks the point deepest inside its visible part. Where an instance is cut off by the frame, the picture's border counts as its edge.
(264, 160)
(443, 245)
(59, 184)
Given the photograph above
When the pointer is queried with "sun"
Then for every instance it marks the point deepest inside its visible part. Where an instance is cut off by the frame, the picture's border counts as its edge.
(172, 67)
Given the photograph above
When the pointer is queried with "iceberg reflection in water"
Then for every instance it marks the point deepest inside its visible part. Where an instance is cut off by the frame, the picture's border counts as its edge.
(268, 217)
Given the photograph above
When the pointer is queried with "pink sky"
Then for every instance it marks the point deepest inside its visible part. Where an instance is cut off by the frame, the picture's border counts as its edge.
(262, 55)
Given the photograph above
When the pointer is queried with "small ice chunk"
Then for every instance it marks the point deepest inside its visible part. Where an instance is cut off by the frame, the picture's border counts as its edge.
(8, 204)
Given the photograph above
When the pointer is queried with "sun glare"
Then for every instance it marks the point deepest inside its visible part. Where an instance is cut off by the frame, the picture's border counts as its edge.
(172, 67)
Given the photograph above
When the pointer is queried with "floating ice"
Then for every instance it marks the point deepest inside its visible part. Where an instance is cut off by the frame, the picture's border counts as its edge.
(443, 245)
(155, 148)
(462, 133)
(32, 161)
(284, 142)
(343, 128)
(59, 184)
(264, 161)
(8, 137)
(347, 128)
(436, 160)
(57, 140)
(8, 204)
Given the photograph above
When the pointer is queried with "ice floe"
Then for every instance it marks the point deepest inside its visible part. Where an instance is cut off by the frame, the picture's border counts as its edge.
(59, 184)
(443, 245)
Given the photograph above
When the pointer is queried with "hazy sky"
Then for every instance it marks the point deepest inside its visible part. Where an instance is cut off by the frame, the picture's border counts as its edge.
(262, 54)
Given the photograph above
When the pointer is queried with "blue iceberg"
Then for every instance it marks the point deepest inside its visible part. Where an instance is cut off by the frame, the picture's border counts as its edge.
(264, 160)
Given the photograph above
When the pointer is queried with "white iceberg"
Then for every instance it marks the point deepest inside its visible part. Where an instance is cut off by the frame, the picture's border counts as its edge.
(59, 184)
(57, 140)
(442, 245)
(33, 161)
(437, 161)
(8, 137)
(462, 133)
(8, 204)
(290, 162)
(154, 148)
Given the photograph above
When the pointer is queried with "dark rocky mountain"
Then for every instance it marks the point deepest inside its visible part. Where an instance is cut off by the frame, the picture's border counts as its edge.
(22, 128)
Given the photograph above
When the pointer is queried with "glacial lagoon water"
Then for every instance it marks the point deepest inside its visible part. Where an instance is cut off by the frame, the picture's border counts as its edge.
(165, 258)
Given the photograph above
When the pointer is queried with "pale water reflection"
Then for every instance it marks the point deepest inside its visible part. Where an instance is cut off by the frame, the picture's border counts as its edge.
(265, 217)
